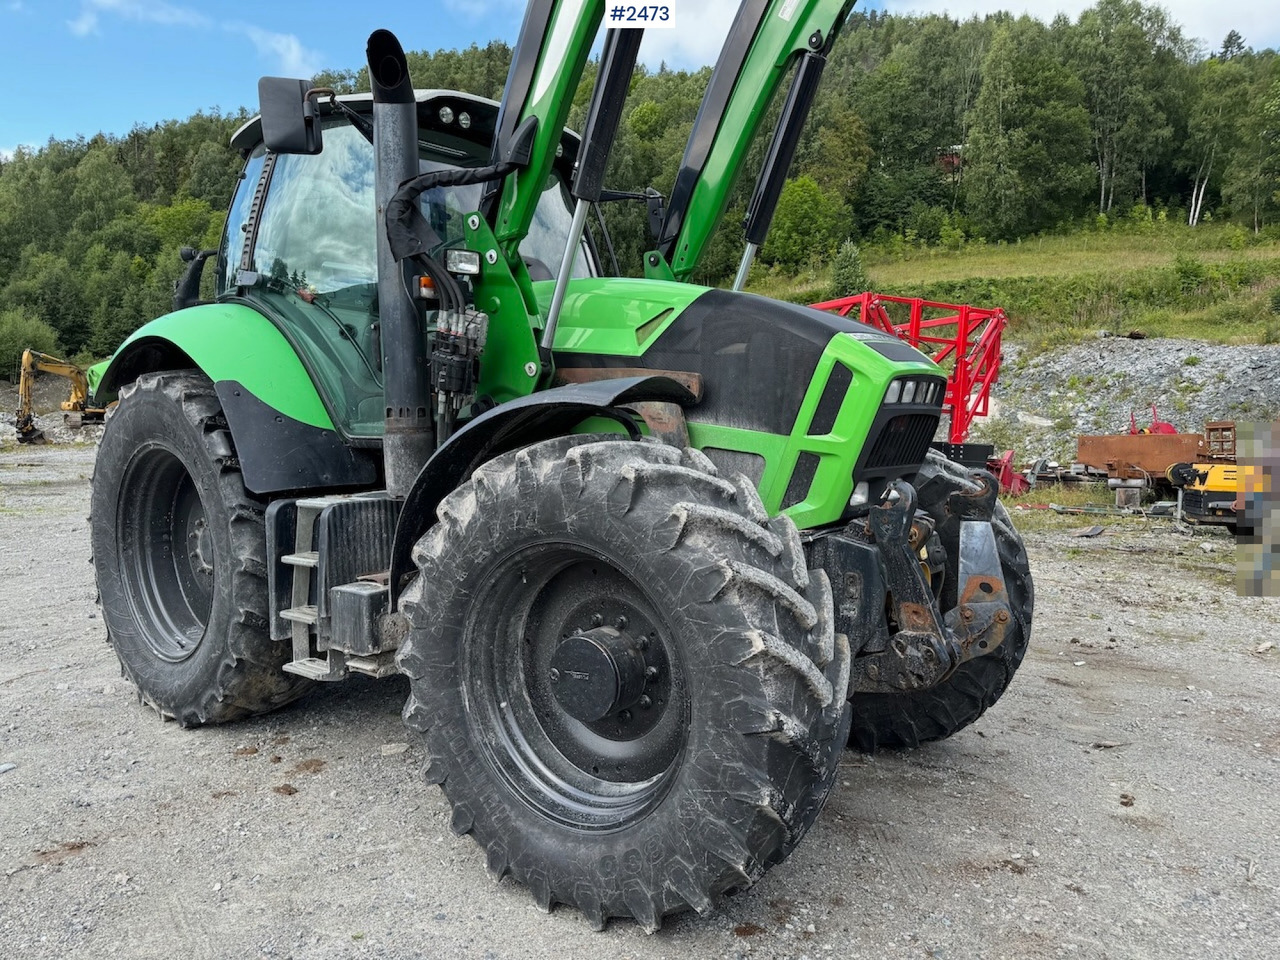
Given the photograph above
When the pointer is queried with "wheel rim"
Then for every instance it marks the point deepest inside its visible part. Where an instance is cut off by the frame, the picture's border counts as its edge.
(166, 553)
(589, 774)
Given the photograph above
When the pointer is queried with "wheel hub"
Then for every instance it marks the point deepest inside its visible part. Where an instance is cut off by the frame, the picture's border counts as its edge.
(201, 547)
(596, 673)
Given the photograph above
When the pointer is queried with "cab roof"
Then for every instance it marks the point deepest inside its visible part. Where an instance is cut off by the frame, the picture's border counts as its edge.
(449, 112)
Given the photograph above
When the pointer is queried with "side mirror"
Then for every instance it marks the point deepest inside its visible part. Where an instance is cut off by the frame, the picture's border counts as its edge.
(290, 123)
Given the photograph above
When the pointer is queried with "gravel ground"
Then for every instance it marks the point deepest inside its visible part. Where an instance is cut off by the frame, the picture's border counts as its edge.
(1120, 801)
(1044, 401)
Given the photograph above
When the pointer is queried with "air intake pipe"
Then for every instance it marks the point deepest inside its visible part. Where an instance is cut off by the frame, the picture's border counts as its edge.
(409, 438)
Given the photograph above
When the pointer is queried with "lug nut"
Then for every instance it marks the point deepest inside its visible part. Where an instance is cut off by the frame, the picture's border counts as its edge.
(554, 675)
(624, 716)
(651, 673)
(620, 624)
(597, 620)
(645, 703)
(1002, 616)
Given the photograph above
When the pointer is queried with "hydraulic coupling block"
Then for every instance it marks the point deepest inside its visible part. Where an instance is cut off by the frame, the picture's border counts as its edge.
(458, 343)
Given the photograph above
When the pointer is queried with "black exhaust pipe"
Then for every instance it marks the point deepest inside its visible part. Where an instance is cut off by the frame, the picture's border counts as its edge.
(410, 437)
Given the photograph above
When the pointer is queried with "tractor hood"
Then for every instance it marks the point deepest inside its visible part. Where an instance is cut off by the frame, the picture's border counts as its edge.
(756, 356)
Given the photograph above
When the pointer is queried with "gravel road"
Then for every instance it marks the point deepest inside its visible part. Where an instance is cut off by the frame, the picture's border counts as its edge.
(1121, 801)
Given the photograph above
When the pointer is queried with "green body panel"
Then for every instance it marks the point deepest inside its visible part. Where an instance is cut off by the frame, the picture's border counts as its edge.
(838, 450)
(783, 35)
(617, 316)
(229, 341)
(511, 344)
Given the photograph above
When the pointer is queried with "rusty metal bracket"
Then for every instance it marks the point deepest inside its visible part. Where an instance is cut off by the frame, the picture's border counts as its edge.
(928, 647)
(665, 421)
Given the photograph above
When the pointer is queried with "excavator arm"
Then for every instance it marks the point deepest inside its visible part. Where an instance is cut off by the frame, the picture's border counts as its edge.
(75, 408)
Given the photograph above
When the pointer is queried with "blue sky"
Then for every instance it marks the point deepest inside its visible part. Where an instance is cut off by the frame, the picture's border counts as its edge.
(82, 66)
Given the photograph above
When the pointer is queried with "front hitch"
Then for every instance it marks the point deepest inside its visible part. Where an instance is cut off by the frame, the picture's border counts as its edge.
(925, 646)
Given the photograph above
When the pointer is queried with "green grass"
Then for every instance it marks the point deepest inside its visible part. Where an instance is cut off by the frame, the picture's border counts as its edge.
(1063, 256)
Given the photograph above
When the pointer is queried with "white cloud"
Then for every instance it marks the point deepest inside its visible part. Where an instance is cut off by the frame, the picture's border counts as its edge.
(293, 59)
(696, 39)
(1208, 22)
(142, 11)
(84, 24)
(287, 52)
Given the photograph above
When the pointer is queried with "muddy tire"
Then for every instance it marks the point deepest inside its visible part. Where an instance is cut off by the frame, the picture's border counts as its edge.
(180, 557)
(899, 720)
(710, 750)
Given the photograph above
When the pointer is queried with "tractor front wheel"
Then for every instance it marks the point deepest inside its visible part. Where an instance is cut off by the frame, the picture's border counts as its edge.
(626, 677)
(180, 556)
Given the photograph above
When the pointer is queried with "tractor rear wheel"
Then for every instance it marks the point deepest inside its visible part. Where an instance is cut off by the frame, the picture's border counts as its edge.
(180, 555)
(900, 720)
(626, 677)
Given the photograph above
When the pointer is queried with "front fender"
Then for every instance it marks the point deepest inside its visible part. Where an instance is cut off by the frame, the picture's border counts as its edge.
(514, 424)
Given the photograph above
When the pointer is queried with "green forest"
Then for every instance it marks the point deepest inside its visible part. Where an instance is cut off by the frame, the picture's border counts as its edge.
(928, 134)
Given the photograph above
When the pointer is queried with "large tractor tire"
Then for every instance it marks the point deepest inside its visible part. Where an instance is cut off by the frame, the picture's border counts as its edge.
(900, 720)
(626, 678)
(180, 556)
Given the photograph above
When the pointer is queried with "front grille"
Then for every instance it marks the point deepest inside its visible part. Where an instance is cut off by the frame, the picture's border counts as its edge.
(902, 442)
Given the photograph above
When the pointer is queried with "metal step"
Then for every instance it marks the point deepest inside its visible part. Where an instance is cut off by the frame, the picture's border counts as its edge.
(304, 614)
(310, 558)
(314, 668)
(380, 666)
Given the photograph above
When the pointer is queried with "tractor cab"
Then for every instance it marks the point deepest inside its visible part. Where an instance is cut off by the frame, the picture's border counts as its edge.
(308, 257)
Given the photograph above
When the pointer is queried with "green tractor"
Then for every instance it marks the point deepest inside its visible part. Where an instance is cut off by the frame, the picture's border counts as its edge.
(650, 554)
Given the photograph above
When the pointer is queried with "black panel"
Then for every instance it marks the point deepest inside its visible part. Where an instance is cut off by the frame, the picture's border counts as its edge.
(972, 455)
(729, 462)
(279, 453)
(756, 355)
(896, 350)
(856, 573)
(833, 394)
(898, 443)
(353, 537)
(801, 480)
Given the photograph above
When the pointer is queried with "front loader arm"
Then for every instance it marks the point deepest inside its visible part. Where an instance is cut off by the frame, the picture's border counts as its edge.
(555, 43)
(764, 43)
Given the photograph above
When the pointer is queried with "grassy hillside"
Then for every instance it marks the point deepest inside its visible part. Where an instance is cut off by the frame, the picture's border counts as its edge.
(1211, 283)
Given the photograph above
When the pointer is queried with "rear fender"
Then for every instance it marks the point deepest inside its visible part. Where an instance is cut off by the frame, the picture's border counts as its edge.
(517, 423)
(283, 435)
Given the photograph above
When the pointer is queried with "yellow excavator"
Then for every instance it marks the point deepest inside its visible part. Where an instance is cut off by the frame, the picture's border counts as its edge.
(76, 411)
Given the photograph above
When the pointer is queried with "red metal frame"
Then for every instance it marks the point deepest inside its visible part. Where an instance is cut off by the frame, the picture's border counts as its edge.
(963, 340)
